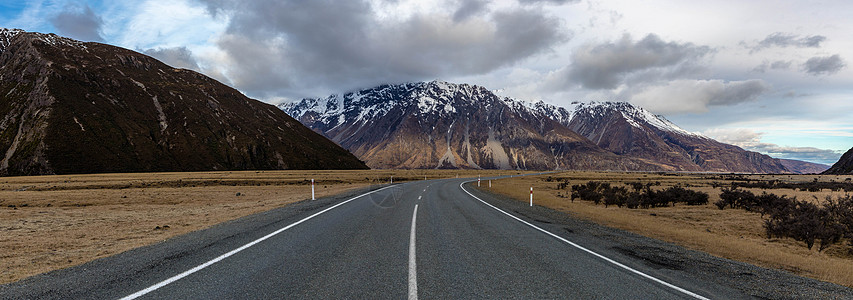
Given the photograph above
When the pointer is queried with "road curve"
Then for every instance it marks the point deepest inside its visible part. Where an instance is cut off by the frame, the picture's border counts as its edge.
(437, 239)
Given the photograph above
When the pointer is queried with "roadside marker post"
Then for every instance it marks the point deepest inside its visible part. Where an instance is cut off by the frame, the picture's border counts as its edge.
(392, 179)
(312, 189)
(531, 196)
(478, 180)
(490, 183)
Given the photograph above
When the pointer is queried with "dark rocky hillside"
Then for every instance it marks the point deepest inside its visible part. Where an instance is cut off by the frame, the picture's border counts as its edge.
(844, 165)
(73, 107)
(803, 167)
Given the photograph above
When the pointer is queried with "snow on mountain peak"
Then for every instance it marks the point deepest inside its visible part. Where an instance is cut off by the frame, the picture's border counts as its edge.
(634, 115)
(443, 99)
(6, 36)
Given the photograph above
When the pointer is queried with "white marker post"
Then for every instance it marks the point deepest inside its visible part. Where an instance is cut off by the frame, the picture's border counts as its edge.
(312, 189)
(490, 183)
(478, 180)
(531, 196)
(392, 179)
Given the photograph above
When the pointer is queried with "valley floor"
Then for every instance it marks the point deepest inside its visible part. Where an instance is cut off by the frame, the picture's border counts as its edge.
(54, 222)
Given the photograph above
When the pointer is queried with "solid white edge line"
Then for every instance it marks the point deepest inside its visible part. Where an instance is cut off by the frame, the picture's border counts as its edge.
(689, 293)
(413, 267)
(235, 251)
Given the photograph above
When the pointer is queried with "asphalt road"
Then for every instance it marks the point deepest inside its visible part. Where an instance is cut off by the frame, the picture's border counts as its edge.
(435, 239)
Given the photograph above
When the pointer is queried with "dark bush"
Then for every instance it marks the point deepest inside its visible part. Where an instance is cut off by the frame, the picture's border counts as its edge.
(642, 195)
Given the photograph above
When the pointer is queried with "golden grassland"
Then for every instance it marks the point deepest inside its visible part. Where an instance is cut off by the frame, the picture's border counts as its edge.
(54, 222)
(731, 233)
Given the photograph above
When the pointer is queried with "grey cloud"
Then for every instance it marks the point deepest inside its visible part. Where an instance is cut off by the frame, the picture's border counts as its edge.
(607, 65)
(559, 2)
(824, 65)
(178, 57)
(275, 47)
(784, 40)
(737, 92)
(78, 22)
(776, 65)
(469, 8)
(695, 96)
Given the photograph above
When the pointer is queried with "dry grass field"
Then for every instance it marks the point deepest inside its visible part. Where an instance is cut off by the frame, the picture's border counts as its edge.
(53, 222)
(731, 233)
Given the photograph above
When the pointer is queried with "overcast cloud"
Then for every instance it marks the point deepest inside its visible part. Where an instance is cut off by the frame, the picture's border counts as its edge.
(178, 57)
(79, 22)
(607, 65)
(276, 47)
(697, 96)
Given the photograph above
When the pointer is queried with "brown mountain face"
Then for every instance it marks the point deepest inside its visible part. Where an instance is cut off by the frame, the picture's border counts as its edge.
(844, 166)
(444, 125)
(73, 107)
(631, 131)
(803, 167)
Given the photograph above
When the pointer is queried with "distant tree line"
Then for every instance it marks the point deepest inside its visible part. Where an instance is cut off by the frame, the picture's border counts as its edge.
(800, 220)
(636, 195)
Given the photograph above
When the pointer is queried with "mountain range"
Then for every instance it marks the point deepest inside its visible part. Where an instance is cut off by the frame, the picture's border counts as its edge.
(445, 125)
(75, 107)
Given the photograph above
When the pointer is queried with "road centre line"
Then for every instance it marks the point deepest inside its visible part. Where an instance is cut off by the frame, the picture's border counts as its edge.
(667, 284)
(241, 248)
(413, 268)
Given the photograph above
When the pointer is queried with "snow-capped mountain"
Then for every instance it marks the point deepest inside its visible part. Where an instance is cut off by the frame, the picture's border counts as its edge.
(444, 125)
(625, 129)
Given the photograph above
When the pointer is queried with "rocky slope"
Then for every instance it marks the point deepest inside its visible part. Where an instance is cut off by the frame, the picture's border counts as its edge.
(844, 165)
(628, 130)
(74, 107)
(444, 125)
(803, 167)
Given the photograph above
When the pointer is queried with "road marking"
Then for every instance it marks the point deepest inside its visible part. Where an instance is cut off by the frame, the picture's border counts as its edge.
(235, 251)
(419, 197)
(413, 268)
(689, 293)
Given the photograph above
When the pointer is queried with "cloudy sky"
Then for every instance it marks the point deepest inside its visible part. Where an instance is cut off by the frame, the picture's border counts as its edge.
(769, 76)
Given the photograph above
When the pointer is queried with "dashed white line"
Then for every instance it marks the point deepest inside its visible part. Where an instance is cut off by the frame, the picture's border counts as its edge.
(235, 251)
(419, 197)
(667, 284)
(413, 268)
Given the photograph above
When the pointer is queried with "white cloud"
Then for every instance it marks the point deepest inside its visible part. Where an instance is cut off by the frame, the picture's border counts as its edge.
(751, 140)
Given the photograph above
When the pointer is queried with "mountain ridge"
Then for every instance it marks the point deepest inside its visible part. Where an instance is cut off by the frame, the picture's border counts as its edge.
(341, 116)
(844, 165)
(85, 107)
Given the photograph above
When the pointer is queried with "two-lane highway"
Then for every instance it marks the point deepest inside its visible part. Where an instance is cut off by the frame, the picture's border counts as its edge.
(433, 239)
